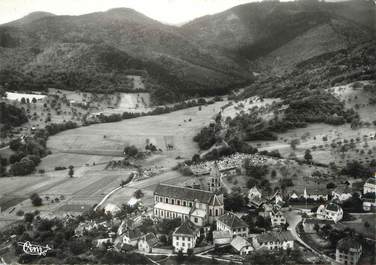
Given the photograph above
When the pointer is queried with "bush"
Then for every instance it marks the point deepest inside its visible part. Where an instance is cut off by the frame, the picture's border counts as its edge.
(131, 151)
(36, 200)
(20, 213)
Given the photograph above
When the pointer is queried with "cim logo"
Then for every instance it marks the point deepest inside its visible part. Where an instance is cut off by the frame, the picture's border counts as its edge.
(32, 249)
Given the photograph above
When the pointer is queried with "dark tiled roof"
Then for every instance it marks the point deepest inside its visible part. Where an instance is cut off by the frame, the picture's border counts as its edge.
(186, 228)
(369, 196)
(183, 193)
(346, 243)
(232, 220)
(371, 181)
(332, 207)
(151, 239)
(275, 236)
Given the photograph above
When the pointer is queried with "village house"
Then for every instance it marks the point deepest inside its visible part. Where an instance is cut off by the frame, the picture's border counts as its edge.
(199, 206)
(85, 227)
(232, 223)
(330, 211)
(185, 237)
(241, 245)
(315, 194)
(370, 185)
(369, 202)
(221, 237)
(147, 242)
(274, 240)
(103, 241)
(112, 209)
(255, 197)
(277, 218)
(342, 193)
(131, 237)
(348, 251)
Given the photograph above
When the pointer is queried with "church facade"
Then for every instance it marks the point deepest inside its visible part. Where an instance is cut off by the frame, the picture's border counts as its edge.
(200, 206)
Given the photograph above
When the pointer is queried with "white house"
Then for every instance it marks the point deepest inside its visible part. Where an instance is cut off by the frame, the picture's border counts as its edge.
(342, 193)
(241, 245)
(277, 218)
(103, 241)
(185, 237)
(315, 194)
(254, 193)
(232, 223)
(255, 197)
(147, 242)
(370, 185)
(112, 209)
(274, 240)
(369, 201)
(329, 211)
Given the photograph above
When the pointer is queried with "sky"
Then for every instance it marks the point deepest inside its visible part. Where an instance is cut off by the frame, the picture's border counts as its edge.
(167, 11)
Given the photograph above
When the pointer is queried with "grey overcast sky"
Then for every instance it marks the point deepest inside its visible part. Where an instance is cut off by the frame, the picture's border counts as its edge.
(167, 11)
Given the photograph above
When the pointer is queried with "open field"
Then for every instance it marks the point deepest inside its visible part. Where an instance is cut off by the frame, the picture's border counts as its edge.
(84, 148)
(161, 129)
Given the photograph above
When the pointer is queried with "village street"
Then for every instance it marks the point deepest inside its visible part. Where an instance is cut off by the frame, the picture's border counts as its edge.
(293, 218)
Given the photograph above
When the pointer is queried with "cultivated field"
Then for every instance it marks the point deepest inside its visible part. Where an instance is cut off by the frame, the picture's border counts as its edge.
(89, 151)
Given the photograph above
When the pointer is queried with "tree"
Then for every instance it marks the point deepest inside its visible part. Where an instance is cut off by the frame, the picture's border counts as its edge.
(308, 156)
(34, 100)
(36, 200)
(71, 171)
(131, 151)
(138, 194)
(294, 143)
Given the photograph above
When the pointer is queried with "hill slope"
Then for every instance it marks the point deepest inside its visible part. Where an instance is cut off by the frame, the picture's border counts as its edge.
(285, 33)
(51, 45)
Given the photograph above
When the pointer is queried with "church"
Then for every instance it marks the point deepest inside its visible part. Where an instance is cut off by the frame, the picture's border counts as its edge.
(200, 206)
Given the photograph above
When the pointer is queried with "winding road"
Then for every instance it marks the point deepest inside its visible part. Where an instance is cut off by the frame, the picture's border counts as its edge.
(294, 218)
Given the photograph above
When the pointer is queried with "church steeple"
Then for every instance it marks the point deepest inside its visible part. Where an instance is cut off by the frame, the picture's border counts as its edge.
(214, 179)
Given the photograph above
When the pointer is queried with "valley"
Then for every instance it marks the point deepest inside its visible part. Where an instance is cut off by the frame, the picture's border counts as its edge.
(246, 136)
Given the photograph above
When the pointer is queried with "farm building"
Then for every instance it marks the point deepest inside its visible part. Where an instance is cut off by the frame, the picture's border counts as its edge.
(274, 240)
(241, 245)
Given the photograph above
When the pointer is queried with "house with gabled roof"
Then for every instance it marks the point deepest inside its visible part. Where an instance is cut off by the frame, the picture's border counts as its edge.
(274, 240)
(147, 242)
(276, 217)
(370, 185)
(185, 236)
(241, 245)
(232, 223)
(199, 206)
(330, 211)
